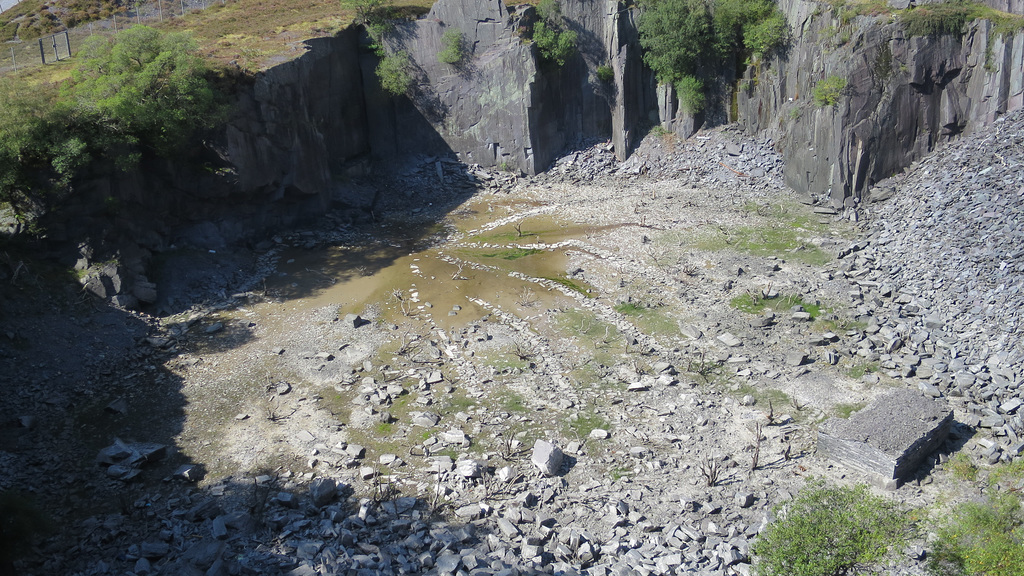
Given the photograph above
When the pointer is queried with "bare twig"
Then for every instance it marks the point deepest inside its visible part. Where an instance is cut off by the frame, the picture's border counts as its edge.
(755, 459)
(710, 469)
(526, 297)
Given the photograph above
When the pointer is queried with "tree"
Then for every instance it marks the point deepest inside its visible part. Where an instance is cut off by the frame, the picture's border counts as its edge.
(679, 35)
(454, 47)
(148, 86)
(675, 36)
(140, 92)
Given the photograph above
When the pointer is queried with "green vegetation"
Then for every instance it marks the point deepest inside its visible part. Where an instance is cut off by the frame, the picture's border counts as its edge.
(583, 423)
(605, 73)
(961, 466)
(512, 253)
(29, 19)
(681, 38)
(981, 538)
(674, 35)
(826, 531)
(513, 402)
(454, 50)
(141, 93)
(828, 90)
(783, 239)
(374, 15)
(753, 304)
(690, 92)
(554, 40)
(573, 285)
(844, 410)
(951, 17)
(777, 399)
(147, 84)
(859, 370)
(394, 73)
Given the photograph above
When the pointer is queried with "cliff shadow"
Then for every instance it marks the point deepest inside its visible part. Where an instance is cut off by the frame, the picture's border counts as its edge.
(90, 418)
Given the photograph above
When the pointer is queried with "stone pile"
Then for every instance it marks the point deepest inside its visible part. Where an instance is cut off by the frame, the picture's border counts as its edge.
(940, 279)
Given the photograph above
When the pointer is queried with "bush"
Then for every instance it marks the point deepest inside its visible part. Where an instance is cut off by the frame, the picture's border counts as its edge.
(827, 531)
(394, 75)
(937, 19)
(556, 44)
(690, 92)
(148, 84)
(374, 15)
(454, 47)
(985, 536)
(680, 36)
(766, 35)
(981, 538)
(827, 91)
(605, 73)
(142, 91)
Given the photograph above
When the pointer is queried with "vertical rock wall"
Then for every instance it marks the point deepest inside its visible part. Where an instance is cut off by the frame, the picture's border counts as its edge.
(502, 105)
(904, 96)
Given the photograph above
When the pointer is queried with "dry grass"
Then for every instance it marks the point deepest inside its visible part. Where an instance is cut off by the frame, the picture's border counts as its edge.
(257, 34)
(261, 33)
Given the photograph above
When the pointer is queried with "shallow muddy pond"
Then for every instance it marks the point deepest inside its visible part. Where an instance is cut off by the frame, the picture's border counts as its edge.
(485, 255)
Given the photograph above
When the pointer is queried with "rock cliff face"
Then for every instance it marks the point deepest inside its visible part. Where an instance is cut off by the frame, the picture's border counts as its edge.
(903, 96)
(502, 105)
(299, 125)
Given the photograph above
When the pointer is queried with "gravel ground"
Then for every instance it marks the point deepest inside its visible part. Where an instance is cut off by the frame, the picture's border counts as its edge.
(366, 396)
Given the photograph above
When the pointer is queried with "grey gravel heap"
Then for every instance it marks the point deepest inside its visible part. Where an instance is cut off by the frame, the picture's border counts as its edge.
(941, 279)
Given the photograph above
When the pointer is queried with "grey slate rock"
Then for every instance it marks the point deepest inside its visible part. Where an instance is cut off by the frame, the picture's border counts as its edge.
(547, 457)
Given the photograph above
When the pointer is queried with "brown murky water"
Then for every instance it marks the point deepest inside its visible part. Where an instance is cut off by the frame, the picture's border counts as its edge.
(479, 260)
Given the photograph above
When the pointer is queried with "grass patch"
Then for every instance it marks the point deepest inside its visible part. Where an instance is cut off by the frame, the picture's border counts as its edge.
(962, 467)
(844, 410)
(951, 17)
(649, 319)
(504, 362)
(512, 253)
(772, 240)
(581, 287)
(619, 472)
(751, 304)
(857, 371)
(587, 326)
(984, 537)
(765, 397)
(458, 403)
(512, 402)
(583, 424)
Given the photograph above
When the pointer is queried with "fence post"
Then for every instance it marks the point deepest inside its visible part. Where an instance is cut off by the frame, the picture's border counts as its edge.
(182, 8)
(160, 9)
(67, 42)
(42, 52)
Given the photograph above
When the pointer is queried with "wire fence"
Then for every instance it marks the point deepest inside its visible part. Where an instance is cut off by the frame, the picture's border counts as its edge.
(18, 55)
